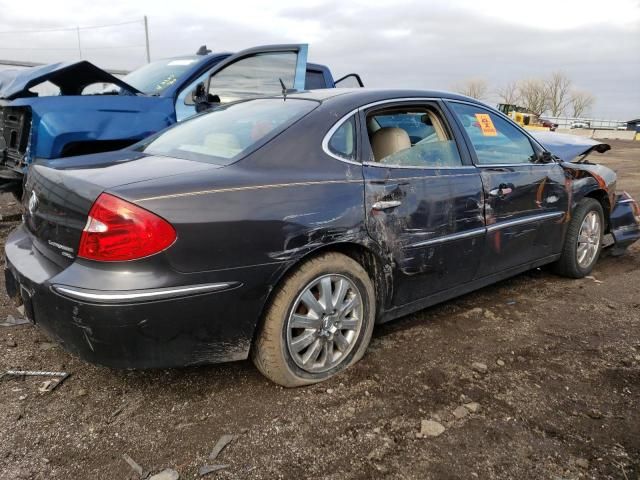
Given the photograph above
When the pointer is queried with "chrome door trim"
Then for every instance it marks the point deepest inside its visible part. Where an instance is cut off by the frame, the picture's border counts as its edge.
(523, 220)
(449, 238)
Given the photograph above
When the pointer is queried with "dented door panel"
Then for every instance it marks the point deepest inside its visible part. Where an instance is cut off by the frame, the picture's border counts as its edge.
(526, 211)
(431, 228)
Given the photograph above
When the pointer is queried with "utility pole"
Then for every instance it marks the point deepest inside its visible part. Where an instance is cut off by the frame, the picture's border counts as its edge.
(79, 46)
(146, 35)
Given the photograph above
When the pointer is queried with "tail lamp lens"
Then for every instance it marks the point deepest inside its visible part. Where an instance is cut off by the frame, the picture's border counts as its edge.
(117, 230)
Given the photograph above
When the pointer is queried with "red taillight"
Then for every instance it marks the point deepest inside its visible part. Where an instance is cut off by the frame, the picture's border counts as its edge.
(117, 230)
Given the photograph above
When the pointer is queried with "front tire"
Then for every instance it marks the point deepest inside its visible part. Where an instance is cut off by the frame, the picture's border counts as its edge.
(583, 241)
(319, 322)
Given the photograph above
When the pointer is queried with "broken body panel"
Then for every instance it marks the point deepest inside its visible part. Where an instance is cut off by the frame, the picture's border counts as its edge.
(242, 227)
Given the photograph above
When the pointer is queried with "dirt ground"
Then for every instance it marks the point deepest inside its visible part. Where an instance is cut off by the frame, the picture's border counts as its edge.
(560, 398)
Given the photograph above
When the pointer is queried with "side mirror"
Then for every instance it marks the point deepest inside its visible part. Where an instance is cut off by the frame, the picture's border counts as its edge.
(202, 99)
(545, 157)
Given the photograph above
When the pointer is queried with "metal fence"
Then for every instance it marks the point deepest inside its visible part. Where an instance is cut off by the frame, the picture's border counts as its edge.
(602, 124)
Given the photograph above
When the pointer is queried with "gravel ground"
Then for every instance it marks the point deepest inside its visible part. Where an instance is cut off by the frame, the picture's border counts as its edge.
(537, 377)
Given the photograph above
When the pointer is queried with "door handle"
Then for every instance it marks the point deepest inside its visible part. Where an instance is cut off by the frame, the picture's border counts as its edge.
(386, 204)
(501, 192)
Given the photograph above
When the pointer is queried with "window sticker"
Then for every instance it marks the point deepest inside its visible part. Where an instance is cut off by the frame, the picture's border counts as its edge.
(486, 125)
(175, 63)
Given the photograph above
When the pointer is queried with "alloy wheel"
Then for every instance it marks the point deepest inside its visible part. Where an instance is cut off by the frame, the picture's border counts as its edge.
(324, 323)
(588, 239)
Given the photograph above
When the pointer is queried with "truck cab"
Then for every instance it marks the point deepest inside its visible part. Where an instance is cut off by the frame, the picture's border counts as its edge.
(92, 111)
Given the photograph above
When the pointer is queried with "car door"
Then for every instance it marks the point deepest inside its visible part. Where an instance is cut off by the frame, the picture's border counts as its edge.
(251, 73)
(525, 194)
(423, 197)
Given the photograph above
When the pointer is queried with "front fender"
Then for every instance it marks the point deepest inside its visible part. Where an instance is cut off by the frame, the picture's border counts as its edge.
(589, 178)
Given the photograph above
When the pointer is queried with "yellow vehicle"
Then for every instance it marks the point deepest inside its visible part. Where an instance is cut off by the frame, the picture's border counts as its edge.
(525, 118)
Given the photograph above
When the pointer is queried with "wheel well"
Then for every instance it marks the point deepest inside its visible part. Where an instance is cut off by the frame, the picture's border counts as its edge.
(361, 254)
(602, 197)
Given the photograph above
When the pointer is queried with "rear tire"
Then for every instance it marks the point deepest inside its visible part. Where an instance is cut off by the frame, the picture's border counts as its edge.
(583, 241)
(319, 322)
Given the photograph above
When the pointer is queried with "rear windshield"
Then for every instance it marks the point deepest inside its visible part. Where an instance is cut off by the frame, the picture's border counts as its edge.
(224, 134)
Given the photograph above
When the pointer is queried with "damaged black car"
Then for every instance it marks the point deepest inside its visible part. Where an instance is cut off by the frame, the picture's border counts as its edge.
(285, 228)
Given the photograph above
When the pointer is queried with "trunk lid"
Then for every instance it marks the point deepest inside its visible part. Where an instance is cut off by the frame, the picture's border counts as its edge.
(57, 199)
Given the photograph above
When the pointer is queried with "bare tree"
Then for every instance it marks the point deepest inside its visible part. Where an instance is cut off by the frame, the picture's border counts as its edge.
(473, 87)
(558, 93)
(509, 93)
(533, 95)
(581, 102)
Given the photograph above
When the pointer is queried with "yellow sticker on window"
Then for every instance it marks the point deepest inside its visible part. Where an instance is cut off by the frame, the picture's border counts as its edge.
(486, 125)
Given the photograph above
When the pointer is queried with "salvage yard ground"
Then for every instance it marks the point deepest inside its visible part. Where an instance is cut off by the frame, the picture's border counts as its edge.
(560, 397)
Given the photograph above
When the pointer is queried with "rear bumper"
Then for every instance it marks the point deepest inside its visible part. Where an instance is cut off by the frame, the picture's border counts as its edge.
(625, 221)
(172, 327)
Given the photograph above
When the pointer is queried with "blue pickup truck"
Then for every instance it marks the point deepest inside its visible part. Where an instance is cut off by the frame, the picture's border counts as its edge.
(93, 111)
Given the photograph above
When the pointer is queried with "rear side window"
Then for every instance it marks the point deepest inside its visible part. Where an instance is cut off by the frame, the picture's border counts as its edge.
(224, 134)
(314, 80)
(343, 141)
(411, 137)
(494, 139)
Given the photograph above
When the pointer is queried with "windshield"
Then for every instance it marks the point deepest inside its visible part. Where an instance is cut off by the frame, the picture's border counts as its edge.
(224, 134)
(157, 76)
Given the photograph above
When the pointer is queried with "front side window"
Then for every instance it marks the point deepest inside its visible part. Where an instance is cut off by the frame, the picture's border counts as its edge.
(253, 76)
(223, 134)
(343, 141)
(411, 137)
(494, 139)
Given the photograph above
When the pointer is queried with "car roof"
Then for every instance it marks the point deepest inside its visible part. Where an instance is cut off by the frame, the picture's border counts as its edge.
(361, 96)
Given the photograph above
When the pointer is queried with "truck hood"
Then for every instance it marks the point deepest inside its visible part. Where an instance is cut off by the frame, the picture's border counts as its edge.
(70, 77)
(568, 147)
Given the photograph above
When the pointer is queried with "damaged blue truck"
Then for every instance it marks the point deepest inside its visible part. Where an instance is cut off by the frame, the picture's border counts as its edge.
(93, 111)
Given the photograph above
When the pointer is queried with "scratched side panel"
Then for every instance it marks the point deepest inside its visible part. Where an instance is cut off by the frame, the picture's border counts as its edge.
(435, 204)
(535, 190)
(280, 203)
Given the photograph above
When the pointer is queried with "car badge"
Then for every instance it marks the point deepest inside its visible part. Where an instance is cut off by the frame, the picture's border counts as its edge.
(33, 203)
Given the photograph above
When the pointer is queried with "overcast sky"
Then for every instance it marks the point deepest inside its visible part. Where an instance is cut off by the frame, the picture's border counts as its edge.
(412, 43)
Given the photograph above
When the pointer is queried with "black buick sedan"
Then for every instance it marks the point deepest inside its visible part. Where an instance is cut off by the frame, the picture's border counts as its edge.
(285, 228)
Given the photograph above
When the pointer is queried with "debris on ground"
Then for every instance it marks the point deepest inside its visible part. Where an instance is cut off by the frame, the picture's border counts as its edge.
(166, 474)
(222, 442)
(460, 412)
(12, 321)
(46, 386)
(207, 469)
(474, 312)
(431, 428)
(473, 407)
(134, 466)
(479, 367)
(582, 463)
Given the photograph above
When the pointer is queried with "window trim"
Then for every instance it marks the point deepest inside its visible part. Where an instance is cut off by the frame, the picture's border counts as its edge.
(535, 145)
(354, 155)
(434, 102)
(327, 138)
(465, 155)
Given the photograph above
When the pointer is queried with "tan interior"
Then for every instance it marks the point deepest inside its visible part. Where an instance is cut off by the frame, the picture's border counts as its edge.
(389, 140)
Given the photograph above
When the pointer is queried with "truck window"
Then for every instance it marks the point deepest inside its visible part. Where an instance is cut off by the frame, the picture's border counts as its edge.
(314, 80)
